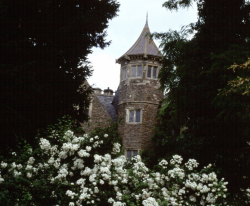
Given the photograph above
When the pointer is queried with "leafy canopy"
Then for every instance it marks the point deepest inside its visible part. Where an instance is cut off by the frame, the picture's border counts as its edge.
(44, 46)
(241, 83)
(195, 121)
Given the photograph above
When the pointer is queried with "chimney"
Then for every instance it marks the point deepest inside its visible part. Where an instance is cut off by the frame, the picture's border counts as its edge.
(108, 92)
(97, 90)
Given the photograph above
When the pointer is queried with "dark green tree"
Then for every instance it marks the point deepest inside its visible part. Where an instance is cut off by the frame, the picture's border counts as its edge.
(195, 121)
(44, 46)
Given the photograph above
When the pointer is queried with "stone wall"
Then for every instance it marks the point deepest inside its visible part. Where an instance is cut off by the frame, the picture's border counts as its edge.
(137, 136)
(98, 116)
(139, 93)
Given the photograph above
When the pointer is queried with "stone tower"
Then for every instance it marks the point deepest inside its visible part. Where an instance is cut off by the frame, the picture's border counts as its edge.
(139, 94)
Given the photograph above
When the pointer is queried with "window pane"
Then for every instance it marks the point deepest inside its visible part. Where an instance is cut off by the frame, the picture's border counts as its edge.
(155, 73)
(139, 71)
(129, 154)
(149, 72)
(123, 74)
(133, 71)
(138, 116)
(131, 116)
(135, 152)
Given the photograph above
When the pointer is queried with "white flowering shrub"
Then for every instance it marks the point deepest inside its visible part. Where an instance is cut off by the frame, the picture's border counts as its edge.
(89, 170)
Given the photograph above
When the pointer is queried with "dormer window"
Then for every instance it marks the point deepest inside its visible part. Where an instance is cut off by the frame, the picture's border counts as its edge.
(152, 72)
(124, 73)
(136, 71)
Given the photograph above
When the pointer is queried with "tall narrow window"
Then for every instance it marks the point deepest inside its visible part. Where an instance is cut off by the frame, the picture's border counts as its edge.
(133, 73)
(129, 154)
(131, 115)
(152, 72)
(155, 73)
(124, 73)
(139, 71)
(149, 71)
(135, 152)
(138, 116)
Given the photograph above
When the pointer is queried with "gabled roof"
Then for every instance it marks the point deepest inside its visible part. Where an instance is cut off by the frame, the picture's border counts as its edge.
(144, 45)
(106, 103)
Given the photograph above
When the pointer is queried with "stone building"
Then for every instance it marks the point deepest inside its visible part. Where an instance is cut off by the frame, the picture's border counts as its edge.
(101, 110)
(137, 98)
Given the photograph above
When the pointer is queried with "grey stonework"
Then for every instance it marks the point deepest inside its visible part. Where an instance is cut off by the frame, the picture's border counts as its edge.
(99, 116)
(135, 95)
(138, 94)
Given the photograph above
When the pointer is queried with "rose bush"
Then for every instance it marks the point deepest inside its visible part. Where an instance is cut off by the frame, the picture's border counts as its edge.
(68, 169)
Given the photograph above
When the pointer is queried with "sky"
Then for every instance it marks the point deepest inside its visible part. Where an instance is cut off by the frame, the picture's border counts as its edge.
(125, 29)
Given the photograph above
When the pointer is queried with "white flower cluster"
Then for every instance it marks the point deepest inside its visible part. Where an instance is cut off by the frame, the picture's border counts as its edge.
(68, 135)
(246, 194)
(191, 164)
(91, 178)
(71, 194)
(163, 164)
(176, 172)
(3, 164)
(177, 160)
(45, 145)
(83, 153)
(116, 148)
(150, 202)
(31, 160)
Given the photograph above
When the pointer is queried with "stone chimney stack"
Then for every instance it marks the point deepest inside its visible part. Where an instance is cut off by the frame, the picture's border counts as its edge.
(97, 90)
(108, 92)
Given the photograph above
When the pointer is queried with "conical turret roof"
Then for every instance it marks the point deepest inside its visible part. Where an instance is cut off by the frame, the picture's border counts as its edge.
(143, 46)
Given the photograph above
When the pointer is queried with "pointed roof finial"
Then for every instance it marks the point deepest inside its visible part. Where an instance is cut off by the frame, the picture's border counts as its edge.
(143, 46)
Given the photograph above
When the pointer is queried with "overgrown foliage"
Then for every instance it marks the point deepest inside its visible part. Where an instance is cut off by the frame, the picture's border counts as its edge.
(44, 46)
(240, 84)
(68, 170)
(195, 121)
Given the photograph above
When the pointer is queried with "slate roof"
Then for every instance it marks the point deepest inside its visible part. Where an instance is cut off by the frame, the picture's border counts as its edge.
(106, 103)
(144, 45)
(115, 101)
